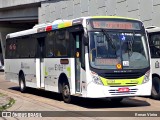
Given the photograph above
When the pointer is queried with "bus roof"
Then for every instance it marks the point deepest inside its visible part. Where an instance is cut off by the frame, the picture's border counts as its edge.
(58, 24)
(152, 29)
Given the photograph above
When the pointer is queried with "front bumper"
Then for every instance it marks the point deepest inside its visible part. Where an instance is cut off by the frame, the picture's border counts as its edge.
(100, 91)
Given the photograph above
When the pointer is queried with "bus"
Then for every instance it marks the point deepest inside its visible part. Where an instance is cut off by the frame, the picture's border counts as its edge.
(1, 61)
(1, 55)
(154, 43)
(90, 57)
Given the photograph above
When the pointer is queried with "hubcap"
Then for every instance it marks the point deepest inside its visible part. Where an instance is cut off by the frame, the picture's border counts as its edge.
(66, 91)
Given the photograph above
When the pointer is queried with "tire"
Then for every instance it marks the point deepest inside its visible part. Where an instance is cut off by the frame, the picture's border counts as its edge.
(66, 93)
(22, 84)
(155, 93)
(116, 100)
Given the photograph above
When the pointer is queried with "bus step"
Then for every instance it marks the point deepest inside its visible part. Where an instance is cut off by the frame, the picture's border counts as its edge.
(42, 88)
(78, 94)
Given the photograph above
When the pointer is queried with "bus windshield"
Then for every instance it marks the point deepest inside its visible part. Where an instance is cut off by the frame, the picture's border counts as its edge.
(110, 48)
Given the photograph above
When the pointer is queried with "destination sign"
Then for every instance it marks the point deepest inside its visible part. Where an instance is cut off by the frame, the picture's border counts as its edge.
(115, 25)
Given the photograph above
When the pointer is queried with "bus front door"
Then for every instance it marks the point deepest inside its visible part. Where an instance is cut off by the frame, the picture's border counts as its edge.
(77, 63)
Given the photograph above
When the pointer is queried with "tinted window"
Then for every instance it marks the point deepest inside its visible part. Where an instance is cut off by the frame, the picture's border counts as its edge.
(58, 44)
(50, 48)
(11, 48)
(23, 47)
(154, 42)
(61, 43)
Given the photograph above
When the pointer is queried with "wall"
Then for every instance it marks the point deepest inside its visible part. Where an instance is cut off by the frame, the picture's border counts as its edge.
(11, 3)
(146, 10)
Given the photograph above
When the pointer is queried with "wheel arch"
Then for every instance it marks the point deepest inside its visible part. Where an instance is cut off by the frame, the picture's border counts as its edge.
(62, 79)
(155, 93)
(155, 75)
(20, 73)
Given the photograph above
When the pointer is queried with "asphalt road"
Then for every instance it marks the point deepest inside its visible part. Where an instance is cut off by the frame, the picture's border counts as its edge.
(39, 100)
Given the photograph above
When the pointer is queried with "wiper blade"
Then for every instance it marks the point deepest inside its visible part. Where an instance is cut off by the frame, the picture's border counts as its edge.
(109, 39)
(130, 45)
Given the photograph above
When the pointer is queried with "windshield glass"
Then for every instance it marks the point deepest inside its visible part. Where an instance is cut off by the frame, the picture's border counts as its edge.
(108, 49)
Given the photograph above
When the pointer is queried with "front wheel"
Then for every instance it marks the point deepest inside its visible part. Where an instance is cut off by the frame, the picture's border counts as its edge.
(66, 93)
(22, 84)
(155, 93)
(116, 100)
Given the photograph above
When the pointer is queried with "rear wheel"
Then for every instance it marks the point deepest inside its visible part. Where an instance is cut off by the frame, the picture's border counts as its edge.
(22, 84)
(66, 93)
(116, 100)
(155, 93)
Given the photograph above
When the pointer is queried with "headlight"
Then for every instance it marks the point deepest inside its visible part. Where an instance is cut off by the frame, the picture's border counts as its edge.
(96, 78)
(146, 77)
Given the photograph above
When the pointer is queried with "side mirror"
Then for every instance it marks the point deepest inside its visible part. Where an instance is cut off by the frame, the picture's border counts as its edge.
(85, 40)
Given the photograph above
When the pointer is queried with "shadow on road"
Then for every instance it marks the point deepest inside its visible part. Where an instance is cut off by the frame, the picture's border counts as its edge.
(87, 102)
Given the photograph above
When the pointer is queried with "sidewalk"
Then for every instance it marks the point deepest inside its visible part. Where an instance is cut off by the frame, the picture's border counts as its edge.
(5, 102)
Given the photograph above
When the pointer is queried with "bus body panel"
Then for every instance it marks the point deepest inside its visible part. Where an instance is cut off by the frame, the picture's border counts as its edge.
(27, 66)
(83, 82)
(52, 71)
(155, 63)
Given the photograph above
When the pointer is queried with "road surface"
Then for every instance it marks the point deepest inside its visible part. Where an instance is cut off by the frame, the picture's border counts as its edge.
(39, 100)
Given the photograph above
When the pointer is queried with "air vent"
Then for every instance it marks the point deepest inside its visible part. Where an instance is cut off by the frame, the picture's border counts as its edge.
(116, 92)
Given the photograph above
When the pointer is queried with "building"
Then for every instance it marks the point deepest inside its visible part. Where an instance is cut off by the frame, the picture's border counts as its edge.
(16, 15)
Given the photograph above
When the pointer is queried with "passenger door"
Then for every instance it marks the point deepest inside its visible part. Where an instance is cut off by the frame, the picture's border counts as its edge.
(77, 42)
(40, 61)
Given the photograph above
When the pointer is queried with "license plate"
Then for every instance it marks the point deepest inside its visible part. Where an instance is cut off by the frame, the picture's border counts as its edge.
(123, 89)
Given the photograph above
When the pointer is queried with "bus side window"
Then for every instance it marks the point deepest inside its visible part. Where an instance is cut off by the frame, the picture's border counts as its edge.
(72, 45)
(11, 48)
(61, 44)
(50, 44)
(155, 45)
(8, 49)
(32, 48)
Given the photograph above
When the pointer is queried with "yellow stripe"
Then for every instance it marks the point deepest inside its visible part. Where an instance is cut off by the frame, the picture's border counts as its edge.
(64, 24)
(122, 82)
(69, 71)
(67, 24)
(45, 71)
(115, 17)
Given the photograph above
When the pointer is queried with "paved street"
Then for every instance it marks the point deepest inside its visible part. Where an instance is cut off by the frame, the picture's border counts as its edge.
(38, 100)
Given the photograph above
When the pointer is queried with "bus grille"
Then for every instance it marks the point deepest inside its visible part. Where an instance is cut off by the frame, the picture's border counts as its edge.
(121, 75)
(130, 92)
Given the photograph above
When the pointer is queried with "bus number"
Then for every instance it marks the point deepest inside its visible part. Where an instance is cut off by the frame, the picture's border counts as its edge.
(59, 67)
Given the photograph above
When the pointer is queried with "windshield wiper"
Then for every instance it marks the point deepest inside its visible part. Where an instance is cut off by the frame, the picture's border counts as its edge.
(109, 39)
(130, 46)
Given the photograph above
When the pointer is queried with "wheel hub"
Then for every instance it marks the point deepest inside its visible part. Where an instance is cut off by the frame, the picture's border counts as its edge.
(66, 91)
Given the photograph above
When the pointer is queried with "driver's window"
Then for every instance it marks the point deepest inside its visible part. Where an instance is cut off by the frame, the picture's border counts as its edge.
(101, 45)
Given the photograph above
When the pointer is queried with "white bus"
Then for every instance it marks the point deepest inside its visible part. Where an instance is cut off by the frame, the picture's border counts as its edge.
(93, 57)
(154, 42)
